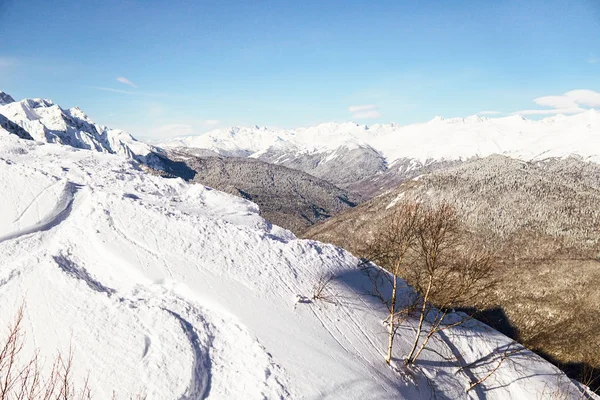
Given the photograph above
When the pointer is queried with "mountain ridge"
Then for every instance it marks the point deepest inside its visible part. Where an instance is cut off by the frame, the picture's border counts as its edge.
(45, 121)
(330, 151)
(330, 136)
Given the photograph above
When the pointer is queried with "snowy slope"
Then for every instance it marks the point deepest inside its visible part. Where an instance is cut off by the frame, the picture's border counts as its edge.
(183, 292)
(438, 139)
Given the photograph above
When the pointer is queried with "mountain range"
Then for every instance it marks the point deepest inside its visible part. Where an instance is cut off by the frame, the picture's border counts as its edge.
(372, 159)
(170, 288)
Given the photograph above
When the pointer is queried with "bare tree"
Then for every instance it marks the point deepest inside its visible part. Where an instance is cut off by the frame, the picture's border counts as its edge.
(390, 249)
(22, 379)
(426, 246)
(322, 289)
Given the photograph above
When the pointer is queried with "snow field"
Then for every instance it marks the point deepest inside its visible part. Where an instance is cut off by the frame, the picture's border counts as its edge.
(180, 291)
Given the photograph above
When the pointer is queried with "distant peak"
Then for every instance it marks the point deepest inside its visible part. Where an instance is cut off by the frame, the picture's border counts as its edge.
(5, 98)
(38, 102)
(334, 126)
(476, 118)
(519, 117)
(78, 112)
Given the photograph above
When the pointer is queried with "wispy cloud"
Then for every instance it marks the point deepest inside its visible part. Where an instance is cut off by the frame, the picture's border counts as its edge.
(129, 93)
(107, 89)
(572, 102)
(593, 59)
(363, 107)
(371, 114)
(489, 113)
(126, 81)
(565, 111)
(172, 130)
(563, 101)
(212, 122)
(365, 111)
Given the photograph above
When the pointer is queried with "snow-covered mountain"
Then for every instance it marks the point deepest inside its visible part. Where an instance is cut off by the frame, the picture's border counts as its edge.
(330, 151)
(47, 122)
(176, 291)
(438, 139)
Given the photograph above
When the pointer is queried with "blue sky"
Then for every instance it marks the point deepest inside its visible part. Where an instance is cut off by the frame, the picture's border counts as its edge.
(163, 68)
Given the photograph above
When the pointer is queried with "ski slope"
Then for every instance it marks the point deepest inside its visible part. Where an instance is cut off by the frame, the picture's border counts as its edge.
(178, 291)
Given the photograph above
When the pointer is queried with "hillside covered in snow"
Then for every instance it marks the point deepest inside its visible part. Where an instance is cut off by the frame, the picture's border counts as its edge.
(367, 159)
(178, 291)
(44, 121)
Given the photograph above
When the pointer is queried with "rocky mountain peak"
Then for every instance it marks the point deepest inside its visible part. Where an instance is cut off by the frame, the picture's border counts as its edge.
(5, 98)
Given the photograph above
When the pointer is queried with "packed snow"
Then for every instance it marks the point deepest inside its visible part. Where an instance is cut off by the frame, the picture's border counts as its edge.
(178, 291)
(438, 139)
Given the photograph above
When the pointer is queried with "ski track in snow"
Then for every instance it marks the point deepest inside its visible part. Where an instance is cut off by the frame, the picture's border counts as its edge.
(60, 212)
(178, 292)
(33, 201)
(199, 387)
(199, 384)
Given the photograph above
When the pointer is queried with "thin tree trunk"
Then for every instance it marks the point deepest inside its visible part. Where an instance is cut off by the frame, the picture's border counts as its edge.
(432, 331)
(421, 319)
(392, 326)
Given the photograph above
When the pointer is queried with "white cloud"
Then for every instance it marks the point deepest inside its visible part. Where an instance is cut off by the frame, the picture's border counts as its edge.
(105, 89)
(593, 59)
(127, 92)
(212, 122)
(365, 111)
(172, 130)
(126, 82)
(489, 113)
(565, 111)
(371, 114)
(555, 102)
(363, 107)
(585, 97)
(572, 102)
